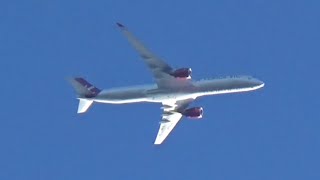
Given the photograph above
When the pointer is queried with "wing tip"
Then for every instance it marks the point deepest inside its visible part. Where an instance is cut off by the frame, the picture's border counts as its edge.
(120, 25)
(157, 143)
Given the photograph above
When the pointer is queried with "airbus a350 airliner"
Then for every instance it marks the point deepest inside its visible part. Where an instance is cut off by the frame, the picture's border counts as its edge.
(174, 88)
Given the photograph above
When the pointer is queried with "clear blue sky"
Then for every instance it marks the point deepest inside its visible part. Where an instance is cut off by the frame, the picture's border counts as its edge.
(272, 133)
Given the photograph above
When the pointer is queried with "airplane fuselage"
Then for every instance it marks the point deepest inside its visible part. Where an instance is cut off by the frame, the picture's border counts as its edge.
(151, 93)
(174, 88)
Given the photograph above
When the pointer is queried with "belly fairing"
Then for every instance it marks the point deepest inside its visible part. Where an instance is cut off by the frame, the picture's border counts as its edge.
(121, 95)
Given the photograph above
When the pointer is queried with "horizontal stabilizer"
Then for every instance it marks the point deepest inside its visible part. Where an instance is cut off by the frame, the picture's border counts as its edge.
(84, 105)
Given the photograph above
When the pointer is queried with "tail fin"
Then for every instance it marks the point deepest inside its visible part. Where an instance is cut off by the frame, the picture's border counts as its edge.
(85, 91)
(84, 88)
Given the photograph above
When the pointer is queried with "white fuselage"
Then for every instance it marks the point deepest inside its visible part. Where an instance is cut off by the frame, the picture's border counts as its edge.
(151, 93)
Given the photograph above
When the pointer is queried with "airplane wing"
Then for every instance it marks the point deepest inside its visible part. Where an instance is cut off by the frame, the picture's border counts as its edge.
(161, 70)
(170, 117)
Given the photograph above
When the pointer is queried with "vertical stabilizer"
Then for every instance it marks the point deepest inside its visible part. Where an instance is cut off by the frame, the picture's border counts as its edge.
(84, 88)
(84, 105)
(85, 91)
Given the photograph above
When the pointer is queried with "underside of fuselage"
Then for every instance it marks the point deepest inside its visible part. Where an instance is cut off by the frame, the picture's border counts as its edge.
(150, 93)
(142, 95)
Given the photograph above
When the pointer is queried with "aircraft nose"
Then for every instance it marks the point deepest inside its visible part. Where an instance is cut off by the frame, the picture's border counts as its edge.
(258, 83)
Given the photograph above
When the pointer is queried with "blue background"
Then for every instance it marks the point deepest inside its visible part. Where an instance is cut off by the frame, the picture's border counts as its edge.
(272, 133)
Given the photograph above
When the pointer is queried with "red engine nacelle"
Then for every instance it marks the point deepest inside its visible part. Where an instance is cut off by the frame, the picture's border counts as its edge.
(195, 112)
(182, 73)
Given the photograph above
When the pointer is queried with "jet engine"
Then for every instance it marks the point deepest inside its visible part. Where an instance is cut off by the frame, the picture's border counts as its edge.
(195, 112)
(182, 73)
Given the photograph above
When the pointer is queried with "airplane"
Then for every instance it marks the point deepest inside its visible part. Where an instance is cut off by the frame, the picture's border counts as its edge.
(174, 88)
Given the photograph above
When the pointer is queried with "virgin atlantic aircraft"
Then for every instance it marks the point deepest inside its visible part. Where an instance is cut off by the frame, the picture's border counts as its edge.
(173, 88)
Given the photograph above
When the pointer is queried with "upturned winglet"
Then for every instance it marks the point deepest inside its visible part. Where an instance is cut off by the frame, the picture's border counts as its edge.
(120, 25)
